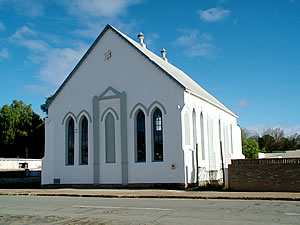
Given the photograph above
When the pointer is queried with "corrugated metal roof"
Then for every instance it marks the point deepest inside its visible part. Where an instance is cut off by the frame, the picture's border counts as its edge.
(178, 75)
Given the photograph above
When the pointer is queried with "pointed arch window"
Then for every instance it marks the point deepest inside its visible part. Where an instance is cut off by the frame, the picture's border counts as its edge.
(187, 128)
(220, 132)
(231, 138)
(110, 139)
(194, 130)
(202, 136)
(84, 141)
(70, 141)
(157, 135)
(140, 137)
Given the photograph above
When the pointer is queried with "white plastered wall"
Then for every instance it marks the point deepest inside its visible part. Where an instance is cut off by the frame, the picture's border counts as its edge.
(126, 71)
(210, 167)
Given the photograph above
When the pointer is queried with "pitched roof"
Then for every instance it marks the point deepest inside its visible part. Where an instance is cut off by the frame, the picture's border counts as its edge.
(173, 72)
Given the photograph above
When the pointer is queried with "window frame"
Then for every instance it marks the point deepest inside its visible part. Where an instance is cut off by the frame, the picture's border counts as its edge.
(67, 139)
(153, 135)
(81, 136)
(136, 126)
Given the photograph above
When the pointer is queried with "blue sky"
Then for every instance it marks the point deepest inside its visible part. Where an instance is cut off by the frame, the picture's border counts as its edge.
(245, 53)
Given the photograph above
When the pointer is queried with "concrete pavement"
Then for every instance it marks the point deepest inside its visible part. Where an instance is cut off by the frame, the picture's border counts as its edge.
(146, 193)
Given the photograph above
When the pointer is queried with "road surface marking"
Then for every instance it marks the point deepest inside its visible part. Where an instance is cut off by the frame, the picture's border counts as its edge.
(114, 207)
(293, 214)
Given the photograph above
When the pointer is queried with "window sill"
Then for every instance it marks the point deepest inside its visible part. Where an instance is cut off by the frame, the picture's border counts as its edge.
(157, 160)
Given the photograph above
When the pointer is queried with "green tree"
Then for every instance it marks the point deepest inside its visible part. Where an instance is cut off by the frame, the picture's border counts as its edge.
(267, 142)
(250, 149)
(250, 145)
(44, 106)
(21, 131)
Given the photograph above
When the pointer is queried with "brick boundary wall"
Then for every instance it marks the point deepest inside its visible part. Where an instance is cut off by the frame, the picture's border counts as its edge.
(264, 175)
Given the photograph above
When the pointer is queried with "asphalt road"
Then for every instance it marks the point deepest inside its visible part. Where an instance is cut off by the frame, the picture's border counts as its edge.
(77, 210)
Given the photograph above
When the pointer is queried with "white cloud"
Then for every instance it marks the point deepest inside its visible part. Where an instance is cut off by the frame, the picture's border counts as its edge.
(243, 103)
(21, 33)
(2, 27)
(59, 63)
(195, 43)
(213, 14)
(23, 37)
(29, 8)
(4, 53)
(96, 8)
(288, 130)
(56, 63)
(35, 45)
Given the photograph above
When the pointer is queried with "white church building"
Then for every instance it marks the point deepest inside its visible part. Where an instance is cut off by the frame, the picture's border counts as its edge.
(127, 117)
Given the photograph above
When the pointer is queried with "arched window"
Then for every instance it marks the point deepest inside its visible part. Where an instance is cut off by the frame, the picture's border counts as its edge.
(231, 138)
(84, 141)
(187, 128)
(110, 138)
(202, 136)
(70, 142)
(220, 132)
(194, 130)
(157, 135)
(140, 137)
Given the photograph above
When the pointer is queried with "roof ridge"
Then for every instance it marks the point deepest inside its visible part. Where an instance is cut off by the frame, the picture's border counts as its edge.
(162, 64)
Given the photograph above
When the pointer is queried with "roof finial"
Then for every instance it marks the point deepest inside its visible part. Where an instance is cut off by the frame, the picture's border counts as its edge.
(141, 38)
(163, 53)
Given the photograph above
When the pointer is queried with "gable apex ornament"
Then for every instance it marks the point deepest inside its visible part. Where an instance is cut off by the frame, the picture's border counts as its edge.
(107, 55)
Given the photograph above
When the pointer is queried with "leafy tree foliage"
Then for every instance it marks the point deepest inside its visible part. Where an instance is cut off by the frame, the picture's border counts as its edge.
(21, 131)
(250, 145)
(274, 140)
(44, 106)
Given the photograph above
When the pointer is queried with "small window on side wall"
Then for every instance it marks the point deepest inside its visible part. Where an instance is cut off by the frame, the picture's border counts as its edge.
(157, 126)
(84, 141)
(70, 142)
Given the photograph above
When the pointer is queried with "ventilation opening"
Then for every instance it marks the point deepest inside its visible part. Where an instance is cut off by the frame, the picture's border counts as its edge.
(56, 181)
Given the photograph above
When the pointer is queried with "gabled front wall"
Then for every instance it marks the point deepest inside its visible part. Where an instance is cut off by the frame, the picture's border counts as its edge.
(143, 86)
(216, 125)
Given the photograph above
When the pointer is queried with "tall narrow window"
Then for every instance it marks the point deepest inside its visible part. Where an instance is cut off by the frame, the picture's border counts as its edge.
(157, 136)
(84, 141)
(202, 136)
(194, 130)
(220, 133)
(187, 128)
(231, 137)
(70, 142)
(110, 138)
(140, 137)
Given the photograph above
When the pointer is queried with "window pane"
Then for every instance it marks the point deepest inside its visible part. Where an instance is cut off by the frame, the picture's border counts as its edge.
(140, 136)
(84, 141)
(110, 138)
(157, 136)
(70, 156)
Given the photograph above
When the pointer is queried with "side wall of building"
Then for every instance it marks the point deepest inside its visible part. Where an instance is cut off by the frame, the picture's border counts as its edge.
(217, 136)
